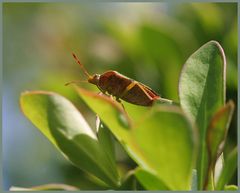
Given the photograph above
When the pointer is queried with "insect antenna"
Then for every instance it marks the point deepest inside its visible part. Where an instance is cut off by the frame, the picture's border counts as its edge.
(75, 82)
(81, 65)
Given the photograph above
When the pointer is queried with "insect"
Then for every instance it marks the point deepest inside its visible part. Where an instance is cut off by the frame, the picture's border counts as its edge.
(122, 87)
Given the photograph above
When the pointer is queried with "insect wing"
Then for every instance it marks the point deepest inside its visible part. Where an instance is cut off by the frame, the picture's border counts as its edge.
(150, 92)
(139, 95)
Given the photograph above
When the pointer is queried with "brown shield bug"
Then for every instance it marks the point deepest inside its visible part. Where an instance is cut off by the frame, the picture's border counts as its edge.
(122, 87)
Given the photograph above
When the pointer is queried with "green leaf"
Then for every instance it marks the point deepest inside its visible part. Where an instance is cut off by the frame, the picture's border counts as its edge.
(109, 111)
(228, 170)
(35, 109)
(217, 131)
(149, 181)
(45, 187)
(231, 188)
(202, 93)
(129, 182)
(166, 140)
(105, 139)
(62, 123)
(161, 140)
(216, 135)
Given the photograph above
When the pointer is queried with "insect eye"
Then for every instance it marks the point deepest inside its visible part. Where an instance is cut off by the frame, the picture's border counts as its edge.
(97, 76)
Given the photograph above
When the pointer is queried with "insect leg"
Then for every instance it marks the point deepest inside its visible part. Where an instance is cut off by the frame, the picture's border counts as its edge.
(118, 100)
(103, 93)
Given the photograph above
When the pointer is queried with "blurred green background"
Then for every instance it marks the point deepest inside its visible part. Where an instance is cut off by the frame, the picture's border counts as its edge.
(148, 42)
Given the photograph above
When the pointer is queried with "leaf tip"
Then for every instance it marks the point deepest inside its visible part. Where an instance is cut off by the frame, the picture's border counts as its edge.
(218, 45)
(24, 93)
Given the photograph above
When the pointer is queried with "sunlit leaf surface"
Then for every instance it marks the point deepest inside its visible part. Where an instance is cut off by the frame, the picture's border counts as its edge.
(217, 134)
(149, 137)
(149, 181)
(64, 125)
(229, 167)
(202, 93)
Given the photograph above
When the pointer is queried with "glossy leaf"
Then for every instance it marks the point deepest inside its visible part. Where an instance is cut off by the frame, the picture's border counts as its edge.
(105, 139)
(217, 131)
(202, 93)
(62, 123)
(216, 135)
(149, 138)
(231, 188)
(228, 170)
(166, 139)
(149, 181)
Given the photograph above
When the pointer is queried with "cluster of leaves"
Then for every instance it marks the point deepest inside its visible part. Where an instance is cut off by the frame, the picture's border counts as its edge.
(174, 147)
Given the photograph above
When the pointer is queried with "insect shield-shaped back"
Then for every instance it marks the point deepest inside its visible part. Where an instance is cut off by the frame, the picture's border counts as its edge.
(122, 87)
(127, 89)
